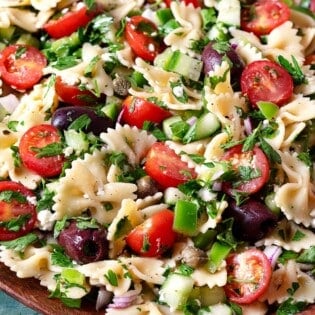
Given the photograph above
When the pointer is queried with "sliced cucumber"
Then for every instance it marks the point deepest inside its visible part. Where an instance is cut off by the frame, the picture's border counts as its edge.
(229, 12)
(175, 291)
(208, 296)
(206, 125)
(76, 140)
(217, 309)
(180, 63)
(175, 128)
(6, 33)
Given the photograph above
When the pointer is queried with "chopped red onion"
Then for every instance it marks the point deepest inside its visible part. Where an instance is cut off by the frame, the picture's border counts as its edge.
(217, 186)
(273, 252)
(103, 298)
(192, 120)
(248, 126)
(9, 102)
(125, 300)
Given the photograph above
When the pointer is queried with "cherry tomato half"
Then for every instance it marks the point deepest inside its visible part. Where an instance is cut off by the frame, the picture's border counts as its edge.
(68, 23)
(140, 34)
(265, 80)
(21, 66)
(195, 3)
(166, 167)
(32, 150)
(254, 160)
(136, 111)
(73, 95)
(154, 236)
(249, 275)
(14, 205)
(263, 16)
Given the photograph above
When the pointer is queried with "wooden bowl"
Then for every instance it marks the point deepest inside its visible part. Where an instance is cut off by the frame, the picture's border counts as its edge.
(29, 292)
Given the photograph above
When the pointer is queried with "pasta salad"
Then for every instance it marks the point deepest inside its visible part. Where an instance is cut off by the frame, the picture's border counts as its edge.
(158, 156)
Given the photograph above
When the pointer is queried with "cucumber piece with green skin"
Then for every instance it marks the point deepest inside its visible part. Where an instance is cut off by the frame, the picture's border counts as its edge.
(6, 33)
(175, 291)
(216, 309)
(205, 126)
(175, 128)
(180, 63)
(76, 140)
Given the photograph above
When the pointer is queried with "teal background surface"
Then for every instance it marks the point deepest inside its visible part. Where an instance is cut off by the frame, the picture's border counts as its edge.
(9, 306)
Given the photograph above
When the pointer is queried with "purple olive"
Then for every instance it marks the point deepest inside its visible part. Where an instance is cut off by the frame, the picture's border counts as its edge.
(252, 219)
(214, 53)
(64, 116)
(84, 245)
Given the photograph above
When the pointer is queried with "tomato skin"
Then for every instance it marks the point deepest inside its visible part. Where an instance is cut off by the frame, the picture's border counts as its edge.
(71, 94)
(68, 23)
(14, 208)
(40, 136)
(236, 156)
(263, 16)
(143, 44)
(310, 60)
(195, 3)
(136, 111)
(24, 72)
(257, 267)
(166, 167)
(155, 231)
(265, 80)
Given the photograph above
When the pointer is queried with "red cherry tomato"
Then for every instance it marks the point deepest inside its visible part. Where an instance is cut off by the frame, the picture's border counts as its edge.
(136, 111)
(249, 275)
(72, 94)
(21, 66)
(195, 3)
(265, 80)
(166, 167)
(154, 236)
(310, 60)
(256, 160)
(69, 22)
(263, 16)
(14, 205)
(31, 151)
(140, 34)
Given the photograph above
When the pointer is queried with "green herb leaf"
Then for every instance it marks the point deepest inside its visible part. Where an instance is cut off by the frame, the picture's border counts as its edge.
(185, 270)
(59, 226)
(91, 67)
(10, 195)
(179, 92)
(290, 307)
(19, 244)
(81, 123)
(307, 256)
(271, 153)
(86, 223)
(52, 149)
(15, 224)
(298, 235)
(59, 258)
(293, 69)
(112, 278)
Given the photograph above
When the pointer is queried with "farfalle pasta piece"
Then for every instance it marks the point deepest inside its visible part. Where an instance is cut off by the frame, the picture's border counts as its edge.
(295, 197)
(202, 277)
(189, 30)
(148, 308)
(291, 121)
(287, 46)
(33, 263)
(307, 88)
(97, 271)
(119, 9)
(257, 308)
(84, 187)
(131, 141)
(98, 80)
(127, 213)
(282, 280)
(226, 106)
(34, 106)
(160, 82)
(289, 236)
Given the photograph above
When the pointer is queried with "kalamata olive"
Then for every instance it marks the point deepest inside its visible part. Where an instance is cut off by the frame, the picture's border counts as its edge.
(252, 219)
(84, 245)
(64, 116)
(214, 53)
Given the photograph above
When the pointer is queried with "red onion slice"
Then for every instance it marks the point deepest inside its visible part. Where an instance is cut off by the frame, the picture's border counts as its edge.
(273, 252)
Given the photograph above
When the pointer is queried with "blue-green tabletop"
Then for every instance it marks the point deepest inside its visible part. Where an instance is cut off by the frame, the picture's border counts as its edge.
(9, 306)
